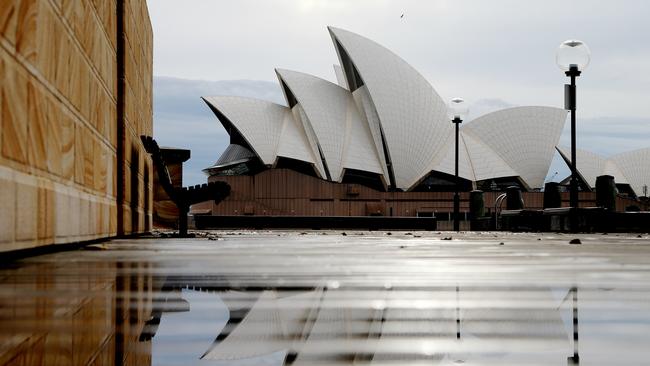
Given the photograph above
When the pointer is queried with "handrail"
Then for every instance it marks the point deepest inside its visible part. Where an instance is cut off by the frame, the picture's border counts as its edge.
(497, 209)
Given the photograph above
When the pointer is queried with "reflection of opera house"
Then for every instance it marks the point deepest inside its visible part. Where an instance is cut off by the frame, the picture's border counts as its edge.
(391, 326)
(379, 143)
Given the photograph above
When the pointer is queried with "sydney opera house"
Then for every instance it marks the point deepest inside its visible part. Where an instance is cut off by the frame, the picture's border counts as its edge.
(630, 169)
(379, 142)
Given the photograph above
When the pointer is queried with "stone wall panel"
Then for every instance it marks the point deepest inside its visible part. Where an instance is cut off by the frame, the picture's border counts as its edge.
(46, 212)
(79, 160)
(14, 112)
(26, 29)
(7, 206)
(8, 20)
(37, 127)
(26, 210)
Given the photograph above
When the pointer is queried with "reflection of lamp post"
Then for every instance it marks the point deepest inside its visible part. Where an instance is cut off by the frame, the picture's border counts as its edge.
(572, 57)
(573, 292)
(457, 111)
(576, 356)
(457, 312)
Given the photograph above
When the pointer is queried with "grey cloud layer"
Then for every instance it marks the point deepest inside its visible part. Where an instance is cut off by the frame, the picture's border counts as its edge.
(472, 48)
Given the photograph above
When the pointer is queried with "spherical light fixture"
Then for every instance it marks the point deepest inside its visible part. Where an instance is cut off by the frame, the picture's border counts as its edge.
(458, 109)
(573, 53)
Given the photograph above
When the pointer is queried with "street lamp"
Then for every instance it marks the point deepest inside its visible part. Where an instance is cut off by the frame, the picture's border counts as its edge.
(457, 111)
(572, 57)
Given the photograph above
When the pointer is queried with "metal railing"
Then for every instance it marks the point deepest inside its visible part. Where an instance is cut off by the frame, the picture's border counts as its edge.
(497, 209)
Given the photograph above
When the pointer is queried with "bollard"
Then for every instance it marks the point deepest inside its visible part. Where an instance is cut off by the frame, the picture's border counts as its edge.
(606, 192)
(476, 204)
(552, 197)
(477, 219)
(514, 201)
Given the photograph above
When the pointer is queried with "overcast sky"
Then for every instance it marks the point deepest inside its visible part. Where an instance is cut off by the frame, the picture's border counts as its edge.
(494, 53)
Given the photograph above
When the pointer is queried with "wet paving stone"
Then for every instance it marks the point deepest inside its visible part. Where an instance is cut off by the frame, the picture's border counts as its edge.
(294, 298)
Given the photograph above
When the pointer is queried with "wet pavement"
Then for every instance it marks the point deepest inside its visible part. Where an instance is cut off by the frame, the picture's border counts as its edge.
(332, 298)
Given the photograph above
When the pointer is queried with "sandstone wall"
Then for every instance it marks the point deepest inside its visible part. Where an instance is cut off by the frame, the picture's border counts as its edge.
(60, 142)
(138, 117)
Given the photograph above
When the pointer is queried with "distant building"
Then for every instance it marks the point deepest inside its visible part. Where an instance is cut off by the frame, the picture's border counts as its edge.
(383, 122)
(630, 169)
(383, 127)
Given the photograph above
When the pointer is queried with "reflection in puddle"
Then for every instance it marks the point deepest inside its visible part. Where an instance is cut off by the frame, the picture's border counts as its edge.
(295, 306)
(346, 326)
(182, 337)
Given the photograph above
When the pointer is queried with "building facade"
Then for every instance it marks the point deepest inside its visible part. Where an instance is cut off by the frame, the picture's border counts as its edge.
(384, 129)
(286, 192)
(76, 79)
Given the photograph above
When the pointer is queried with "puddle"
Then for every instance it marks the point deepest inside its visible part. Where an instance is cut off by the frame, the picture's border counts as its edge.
(276, 301)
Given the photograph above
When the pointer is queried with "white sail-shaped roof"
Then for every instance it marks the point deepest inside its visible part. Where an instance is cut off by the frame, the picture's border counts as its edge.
(589, 165)
(524, 137)
(259, 122)
(360, 151)
(412, 115)
(294, 143)
(340, 77)
(369, 114)
(340, 133)
(305, 126)
(485, 163)
(612, 169)
(635, 168)
(447, 163)
(269, 129)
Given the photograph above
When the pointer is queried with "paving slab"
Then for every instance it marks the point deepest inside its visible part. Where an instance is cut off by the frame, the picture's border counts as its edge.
(334, 298)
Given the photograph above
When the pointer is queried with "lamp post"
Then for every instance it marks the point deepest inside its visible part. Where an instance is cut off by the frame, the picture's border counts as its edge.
(572, 57)
(457, 111)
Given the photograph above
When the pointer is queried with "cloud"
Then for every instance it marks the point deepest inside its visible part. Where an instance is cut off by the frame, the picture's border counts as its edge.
(472, 48)
(181, 118)
(608, 135)
(488, 105)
